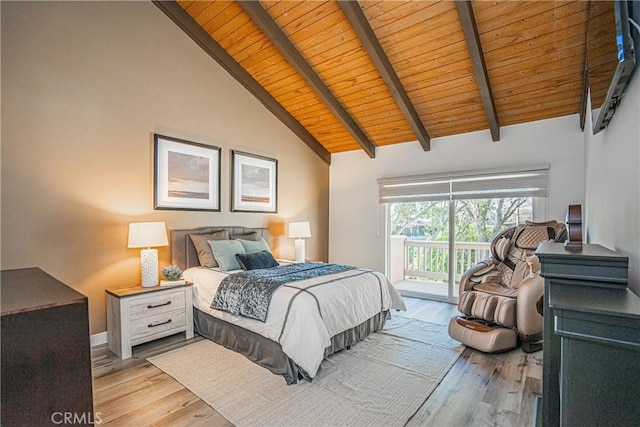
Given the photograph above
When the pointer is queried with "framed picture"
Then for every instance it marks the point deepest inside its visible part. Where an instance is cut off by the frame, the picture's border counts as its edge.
(187, 175)
(254, 184)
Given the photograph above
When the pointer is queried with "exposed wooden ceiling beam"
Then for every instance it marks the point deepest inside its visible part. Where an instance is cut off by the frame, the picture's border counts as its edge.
(465, 13)
(585, 95)
(360, 24)
(275, 34)
(209, 45)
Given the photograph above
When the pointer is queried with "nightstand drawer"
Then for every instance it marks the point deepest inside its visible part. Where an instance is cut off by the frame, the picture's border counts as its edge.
(157, 324)
(164, 302)
(137, 315)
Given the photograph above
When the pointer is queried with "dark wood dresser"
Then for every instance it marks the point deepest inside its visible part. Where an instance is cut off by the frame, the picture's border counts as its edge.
(46, 353)
(591, 359)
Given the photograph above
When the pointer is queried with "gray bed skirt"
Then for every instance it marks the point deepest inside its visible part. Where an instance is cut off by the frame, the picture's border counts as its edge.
(268, 353)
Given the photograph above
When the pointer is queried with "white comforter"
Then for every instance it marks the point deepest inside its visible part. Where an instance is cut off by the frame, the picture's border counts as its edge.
(301, 330)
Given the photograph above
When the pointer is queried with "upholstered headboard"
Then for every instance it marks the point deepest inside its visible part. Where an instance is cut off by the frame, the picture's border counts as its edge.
(183, 253)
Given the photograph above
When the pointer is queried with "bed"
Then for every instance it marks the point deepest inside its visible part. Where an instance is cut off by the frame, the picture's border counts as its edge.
(307, 320)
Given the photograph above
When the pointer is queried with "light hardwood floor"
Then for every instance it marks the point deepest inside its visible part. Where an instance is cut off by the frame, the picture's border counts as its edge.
(479, 390)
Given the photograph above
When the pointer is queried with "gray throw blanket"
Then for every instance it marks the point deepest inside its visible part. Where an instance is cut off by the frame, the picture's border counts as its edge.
(249, 293)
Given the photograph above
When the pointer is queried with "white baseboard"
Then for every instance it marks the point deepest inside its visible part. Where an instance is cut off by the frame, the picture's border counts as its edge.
(98, 339)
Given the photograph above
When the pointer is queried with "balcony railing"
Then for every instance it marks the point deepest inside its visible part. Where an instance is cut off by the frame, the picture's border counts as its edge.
(430, 260)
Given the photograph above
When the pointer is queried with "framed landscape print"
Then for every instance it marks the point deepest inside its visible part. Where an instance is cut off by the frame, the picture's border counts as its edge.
(254, 185)
(187, 175)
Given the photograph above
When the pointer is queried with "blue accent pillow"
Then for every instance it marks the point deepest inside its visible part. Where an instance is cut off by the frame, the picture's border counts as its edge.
(256, 260)
(251, 247)
(224, 251)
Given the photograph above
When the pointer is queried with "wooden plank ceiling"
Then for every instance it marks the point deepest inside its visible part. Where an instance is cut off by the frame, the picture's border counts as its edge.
(314, 60)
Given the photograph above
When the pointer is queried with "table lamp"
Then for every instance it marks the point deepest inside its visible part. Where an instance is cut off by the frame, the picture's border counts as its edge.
(146, 235)
(299, 230)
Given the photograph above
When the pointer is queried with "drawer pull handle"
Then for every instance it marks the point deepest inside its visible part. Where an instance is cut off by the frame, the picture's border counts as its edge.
(153, 325)
(159, 305)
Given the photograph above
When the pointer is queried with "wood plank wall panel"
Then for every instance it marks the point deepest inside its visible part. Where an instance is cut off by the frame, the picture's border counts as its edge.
(232, 28)
(426, 46)
(534, 53)
(535, 57)
(329, 44)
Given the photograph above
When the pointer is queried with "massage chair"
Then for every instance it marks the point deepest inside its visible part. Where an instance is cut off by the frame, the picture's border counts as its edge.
(498, 296)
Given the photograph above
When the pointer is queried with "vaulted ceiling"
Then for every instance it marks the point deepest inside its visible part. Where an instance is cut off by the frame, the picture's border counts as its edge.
(355, 75)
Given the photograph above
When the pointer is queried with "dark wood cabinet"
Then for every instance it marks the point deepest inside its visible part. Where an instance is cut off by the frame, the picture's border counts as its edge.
(46, 354)
(591, 360)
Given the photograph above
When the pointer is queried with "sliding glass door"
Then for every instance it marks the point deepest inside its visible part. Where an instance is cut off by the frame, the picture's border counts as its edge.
(476, 223)
(438, 226)
(419, 248)
(432, 244)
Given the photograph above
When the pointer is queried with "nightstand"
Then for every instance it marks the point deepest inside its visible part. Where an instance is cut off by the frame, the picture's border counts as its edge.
(136, 315)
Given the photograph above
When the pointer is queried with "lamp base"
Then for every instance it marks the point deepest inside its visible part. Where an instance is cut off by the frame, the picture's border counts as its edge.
(299, 250)
(149, 267)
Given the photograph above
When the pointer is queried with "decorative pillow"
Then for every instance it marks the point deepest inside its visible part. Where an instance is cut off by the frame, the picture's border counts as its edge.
(251, 247)
(201, 243)
(249, 236)
(256, 260)
(224, 251)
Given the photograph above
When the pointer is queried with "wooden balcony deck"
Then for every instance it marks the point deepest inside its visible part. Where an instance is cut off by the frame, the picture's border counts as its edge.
(418, 288)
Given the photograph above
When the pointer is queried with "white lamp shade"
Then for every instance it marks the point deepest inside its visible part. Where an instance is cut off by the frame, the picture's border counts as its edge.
(147, 234)
(298, 230)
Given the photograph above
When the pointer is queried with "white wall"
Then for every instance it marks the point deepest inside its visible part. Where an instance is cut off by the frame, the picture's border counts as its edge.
(612, 182)
(355, 220)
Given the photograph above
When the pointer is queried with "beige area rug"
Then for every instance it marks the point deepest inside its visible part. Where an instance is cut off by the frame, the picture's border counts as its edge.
(381, 381)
